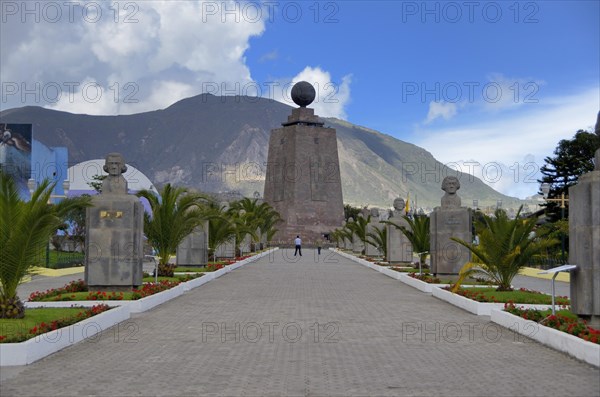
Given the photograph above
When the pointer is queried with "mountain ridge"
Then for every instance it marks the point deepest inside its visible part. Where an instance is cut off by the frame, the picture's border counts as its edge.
(219, 143)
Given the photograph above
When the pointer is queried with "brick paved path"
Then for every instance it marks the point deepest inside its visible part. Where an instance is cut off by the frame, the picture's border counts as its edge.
(277, 328)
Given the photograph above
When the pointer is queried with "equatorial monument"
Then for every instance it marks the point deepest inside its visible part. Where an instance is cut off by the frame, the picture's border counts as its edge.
(449, 220)
(584, 244)
(114, 233)
(303, 173)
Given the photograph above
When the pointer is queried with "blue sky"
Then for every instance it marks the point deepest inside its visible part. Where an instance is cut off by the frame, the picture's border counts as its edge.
(487, 86)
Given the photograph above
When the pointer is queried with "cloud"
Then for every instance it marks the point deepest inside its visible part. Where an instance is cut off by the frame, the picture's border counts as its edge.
(444, 110)
(497, 93)
(331, 97)
(515, 141)
(269, 56)
(146, 46)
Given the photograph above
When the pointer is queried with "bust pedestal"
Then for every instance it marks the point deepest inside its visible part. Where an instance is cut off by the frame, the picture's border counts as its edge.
(114, 245)
(584, 246)
(448, 256)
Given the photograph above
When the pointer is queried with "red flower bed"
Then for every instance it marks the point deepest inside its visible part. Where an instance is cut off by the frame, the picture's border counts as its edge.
(42, 328)
(103, 296)
(425, 277)
(573, 326)
(73, 286)
(152, 288)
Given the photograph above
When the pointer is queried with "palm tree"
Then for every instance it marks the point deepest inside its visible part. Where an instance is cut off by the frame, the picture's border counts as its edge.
(25, 227)
(379, 239)
(505, 246)
(359, 228)
(418, 234)
(220, 227)
(258, 219)
(176, 212)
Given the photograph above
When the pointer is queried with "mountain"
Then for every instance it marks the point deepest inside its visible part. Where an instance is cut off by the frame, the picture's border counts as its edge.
(216, 143)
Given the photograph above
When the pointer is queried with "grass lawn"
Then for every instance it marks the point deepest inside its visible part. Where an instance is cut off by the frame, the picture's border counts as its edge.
(33, 317)
(190, 270)
(182, 278)
(57, 257)
(516, 296)
(82, 296)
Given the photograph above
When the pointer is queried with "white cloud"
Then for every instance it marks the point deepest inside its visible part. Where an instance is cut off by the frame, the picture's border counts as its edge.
(163, 44)
(515, 142)
(444, 110)
(331, 97)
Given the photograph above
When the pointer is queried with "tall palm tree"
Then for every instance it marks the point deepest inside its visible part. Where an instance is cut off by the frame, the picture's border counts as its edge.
(25, 227)
(176, 212)
(258, 219)
(378, 238)
(220, 227)
(417, 233)
(359, 228)
(505, 246)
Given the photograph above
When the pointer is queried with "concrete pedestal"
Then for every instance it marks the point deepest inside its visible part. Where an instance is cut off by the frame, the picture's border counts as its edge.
(447, 256)
(114, 245)
(399, 248)
(584, 246)
(193, 250)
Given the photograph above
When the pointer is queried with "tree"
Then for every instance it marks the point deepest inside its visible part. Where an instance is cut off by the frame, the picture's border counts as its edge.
(572, 158)
(351, 212)
(176, 212)
(260, 219)
(505, 246)
(418, 234)
(359, 228)
(75, 225)
(220, 227)
(379, 239)
(25, 227)
(96, 184)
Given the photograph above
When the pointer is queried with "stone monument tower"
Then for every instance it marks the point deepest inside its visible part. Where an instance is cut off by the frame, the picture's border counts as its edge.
(449, 220)
(584, 244)
(114, 227)
(303, 173)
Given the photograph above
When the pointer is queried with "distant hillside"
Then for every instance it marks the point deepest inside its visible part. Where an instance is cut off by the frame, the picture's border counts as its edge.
(220, 144)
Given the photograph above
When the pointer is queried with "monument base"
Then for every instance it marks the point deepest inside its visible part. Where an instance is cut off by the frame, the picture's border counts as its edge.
(448, 256)
(114, 243)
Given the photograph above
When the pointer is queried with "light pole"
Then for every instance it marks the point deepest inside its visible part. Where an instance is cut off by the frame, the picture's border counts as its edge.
(563, 201)
(32, 185)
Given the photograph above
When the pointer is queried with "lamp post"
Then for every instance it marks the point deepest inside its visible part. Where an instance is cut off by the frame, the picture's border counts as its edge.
(563, 201)
(32, 185)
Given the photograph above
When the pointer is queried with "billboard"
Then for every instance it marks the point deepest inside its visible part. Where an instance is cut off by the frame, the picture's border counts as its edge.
(15, 153)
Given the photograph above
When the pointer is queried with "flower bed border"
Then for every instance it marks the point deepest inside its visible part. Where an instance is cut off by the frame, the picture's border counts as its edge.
(559, 340)
(478, 308)
(43, 345)
(36, 348)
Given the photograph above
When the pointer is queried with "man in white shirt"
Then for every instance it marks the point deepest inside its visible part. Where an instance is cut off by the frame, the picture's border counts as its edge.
(298, 243)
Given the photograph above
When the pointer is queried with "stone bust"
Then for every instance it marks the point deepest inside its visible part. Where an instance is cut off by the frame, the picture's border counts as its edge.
(450, 185)
(374, 213)
(114, 183)
(399, 206)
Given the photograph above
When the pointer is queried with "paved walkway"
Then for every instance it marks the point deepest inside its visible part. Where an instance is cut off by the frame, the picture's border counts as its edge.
(276, 328)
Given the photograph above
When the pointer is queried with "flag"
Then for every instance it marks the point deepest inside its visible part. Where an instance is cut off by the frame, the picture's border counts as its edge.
(407, 207)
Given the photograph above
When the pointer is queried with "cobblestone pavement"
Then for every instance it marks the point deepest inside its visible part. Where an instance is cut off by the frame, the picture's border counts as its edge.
(326, 327)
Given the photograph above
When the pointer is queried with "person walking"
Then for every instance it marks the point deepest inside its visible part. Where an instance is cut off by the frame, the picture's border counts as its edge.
(298, 243)
(319, 245)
